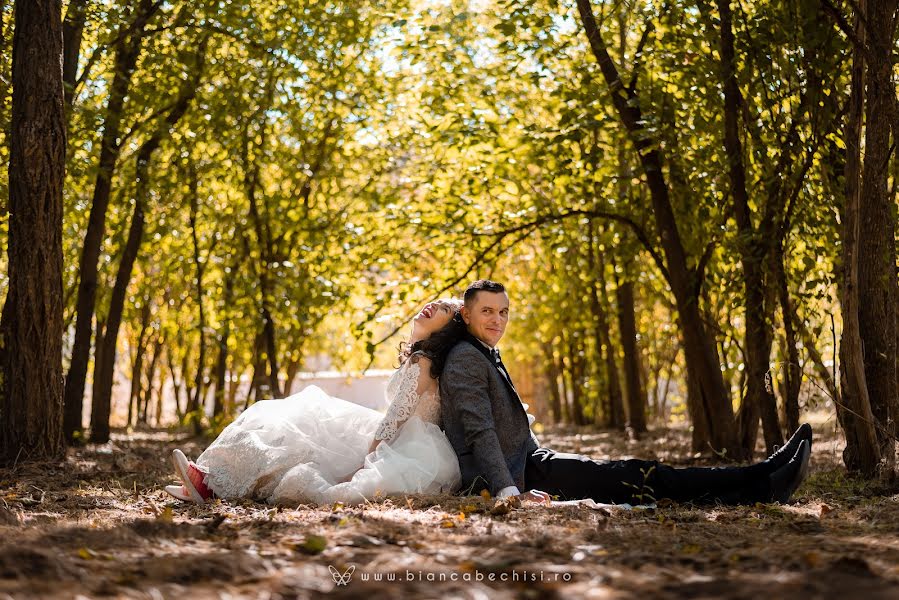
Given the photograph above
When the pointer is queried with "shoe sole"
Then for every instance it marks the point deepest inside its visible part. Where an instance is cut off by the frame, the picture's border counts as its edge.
(805, 448)
(181, 465)
(175, 491)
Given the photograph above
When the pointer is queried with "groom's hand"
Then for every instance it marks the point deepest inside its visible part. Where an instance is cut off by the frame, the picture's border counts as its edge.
(535, 496)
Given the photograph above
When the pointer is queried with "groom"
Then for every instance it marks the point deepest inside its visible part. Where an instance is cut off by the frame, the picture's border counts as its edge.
(489, 430)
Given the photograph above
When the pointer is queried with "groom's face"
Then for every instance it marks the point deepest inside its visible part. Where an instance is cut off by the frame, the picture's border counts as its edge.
(487, 316)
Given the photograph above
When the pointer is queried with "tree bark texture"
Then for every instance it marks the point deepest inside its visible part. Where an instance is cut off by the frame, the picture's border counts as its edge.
(877, 282)
(31, 387)
(862, 452)
(636, 397)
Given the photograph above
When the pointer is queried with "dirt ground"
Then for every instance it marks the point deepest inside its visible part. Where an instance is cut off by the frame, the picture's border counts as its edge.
(100, 525)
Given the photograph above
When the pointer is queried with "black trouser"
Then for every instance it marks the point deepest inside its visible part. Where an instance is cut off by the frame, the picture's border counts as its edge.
(573, 476)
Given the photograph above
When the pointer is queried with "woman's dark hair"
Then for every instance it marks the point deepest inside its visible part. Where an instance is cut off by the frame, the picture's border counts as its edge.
(437, 345)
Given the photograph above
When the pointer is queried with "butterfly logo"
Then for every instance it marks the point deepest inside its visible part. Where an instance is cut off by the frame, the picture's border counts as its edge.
(342, 578)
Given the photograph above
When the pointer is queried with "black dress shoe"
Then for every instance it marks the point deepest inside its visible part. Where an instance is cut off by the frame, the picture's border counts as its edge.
(782, 455)
(785, 480)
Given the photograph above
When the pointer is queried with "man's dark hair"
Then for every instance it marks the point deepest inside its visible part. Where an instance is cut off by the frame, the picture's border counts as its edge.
(481, 285)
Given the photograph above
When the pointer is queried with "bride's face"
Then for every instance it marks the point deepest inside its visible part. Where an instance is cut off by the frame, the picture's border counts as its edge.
(433, 316)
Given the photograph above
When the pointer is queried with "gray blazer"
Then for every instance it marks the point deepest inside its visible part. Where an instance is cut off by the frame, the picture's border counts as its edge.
(484, 421)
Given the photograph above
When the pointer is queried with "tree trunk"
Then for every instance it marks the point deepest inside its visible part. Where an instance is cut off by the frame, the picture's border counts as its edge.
(700, 440)
(151, 376)
(615, 418)
(577, 388)
(793, 371)
(699, 347)
(293, 368)
(263, 237)
(636, 398)
(758, 401)
(552, 377)
(190, 406)
(72, 29)
(126, 55)
(200, 268)
(31, 392)
(104, 361)
(176, 387)
(876, 257)
(138, 364)
(862, 452)
(221, 372)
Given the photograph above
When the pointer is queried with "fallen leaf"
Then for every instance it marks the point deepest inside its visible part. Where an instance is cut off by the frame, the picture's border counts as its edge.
(312, 544)
(812, 558)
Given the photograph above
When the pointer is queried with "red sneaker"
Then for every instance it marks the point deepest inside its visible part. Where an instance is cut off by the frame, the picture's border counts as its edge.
(193, 478)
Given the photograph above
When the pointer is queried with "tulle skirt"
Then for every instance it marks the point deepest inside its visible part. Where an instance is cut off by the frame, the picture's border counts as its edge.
(300, 449)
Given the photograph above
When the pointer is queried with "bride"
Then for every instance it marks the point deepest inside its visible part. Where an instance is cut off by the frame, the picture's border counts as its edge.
(314, 448)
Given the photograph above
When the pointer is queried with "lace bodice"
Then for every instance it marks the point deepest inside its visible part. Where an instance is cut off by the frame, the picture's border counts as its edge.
(411, 392)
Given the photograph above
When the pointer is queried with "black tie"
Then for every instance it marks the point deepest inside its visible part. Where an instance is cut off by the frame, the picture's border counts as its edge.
(495, 353)
(501, 367)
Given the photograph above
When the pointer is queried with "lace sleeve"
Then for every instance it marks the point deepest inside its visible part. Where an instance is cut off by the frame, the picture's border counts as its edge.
(414, 380)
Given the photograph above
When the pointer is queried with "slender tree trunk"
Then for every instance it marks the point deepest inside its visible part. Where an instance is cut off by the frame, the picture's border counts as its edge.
(200, 268)
(758, 401)
(700, 440)
(251, 183)
(636, 397)
(190, 403)
(862, 452)
(552, 378)
(138, 364)
(793, 371)
(176, 386)
(31, 391)
(615, 417)
(126, 54)
(577, 388)
(293, 367)
(221, 372)
(72, 29)
(699, 348)
(160, 392)
(104, 361)
(151, 377)
(877, 281)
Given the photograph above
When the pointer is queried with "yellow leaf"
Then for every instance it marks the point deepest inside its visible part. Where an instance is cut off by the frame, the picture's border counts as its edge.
(313, 544)
(85, 554)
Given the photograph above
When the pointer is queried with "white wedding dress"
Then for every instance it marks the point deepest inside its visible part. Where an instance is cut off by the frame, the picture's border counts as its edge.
(300, 449)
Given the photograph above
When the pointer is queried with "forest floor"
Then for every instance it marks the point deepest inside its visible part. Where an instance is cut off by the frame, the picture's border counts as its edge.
(100, 525)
